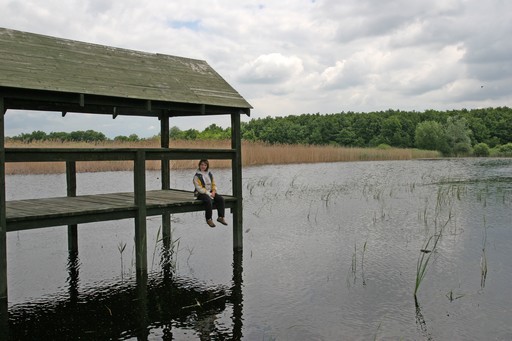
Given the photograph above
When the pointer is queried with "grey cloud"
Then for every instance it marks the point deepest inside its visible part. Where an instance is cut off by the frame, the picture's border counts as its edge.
(498, 91)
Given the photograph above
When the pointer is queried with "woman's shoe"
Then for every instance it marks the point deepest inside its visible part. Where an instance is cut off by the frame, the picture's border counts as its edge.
(222, 220)
(210, 223)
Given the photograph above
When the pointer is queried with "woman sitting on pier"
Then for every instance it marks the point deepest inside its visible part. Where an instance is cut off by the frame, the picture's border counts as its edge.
(206, 190)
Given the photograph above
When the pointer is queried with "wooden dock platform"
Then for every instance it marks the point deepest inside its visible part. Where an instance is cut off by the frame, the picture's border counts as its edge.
(60, 211)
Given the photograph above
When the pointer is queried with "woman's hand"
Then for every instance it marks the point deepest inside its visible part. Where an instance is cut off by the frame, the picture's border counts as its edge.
(212, 194)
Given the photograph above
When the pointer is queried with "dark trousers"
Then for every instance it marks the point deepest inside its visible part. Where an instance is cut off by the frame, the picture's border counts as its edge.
(208, 203)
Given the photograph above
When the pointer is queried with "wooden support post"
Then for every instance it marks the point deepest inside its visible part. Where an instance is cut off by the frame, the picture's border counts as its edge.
(71, 192)
(164, 143)
(165, 174)
(139, 176)
(3, 232)
(236, 168)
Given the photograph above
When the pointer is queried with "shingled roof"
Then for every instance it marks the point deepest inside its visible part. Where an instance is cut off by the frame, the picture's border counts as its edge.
(39, 72)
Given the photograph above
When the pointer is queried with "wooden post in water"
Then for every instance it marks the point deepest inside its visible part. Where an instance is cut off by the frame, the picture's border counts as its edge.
(236, 169)
(139, 177)
(71, 192)
(237, 295)
(165, 174)
(3, 232)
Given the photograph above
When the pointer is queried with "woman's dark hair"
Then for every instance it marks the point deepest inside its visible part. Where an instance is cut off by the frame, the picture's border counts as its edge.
(205, 161)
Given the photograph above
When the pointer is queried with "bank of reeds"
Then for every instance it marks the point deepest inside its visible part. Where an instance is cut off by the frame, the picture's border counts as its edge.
(253, 153)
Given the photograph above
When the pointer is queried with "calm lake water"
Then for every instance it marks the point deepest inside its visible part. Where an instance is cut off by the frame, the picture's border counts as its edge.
(330, 253)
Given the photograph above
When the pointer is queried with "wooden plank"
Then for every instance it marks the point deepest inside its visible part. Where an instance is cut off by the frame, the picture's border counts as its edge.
(112, 154)
(35, 213)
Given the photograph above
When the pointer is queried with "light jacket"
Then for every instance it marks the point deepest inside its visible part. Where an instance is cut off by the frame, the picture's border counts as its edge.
(200, 186)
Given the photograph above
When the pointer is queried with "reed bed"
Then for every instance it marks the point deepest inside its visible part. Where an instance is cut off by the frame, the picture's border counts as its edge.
(253, 154)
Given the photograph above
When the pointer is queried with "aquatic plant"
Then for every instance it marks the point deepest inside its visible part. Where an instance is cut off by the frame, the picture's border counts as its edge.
(483, 258)
(362, 262)
(157, 240)
(426, 253)
(121, 246)
(168, 253)
(353, 265)
(452, 297)
(354, 260)
(327, 196)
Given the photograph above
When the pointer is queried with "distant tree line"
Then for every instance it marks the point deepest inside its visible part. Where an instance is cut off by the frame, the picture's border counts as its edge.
(458, 132)
(212, 132)
(455, 132)
(77, 136)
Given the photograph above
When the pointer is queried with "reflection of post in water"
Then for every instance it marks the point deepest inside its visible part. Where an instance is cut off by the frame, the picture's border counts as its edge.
(4, 320)
(73, 276)
(167, 249)
(237, 295)
(142, 305)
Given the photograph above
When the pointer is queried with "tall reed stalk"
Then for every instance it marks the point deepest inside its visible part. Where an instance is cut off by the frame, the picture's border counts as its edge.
(121, 246)
(483, 258)
(425, 254)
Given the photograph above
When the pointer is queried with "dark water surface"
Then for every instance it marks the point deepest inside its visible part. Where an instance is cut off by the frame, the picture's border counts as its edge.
(330, 253)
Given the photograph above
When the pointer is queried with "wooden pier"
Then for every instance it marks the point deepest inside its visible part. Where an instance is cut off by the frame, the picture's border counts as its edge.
(41, 73)
(38, 213)
(73, 209)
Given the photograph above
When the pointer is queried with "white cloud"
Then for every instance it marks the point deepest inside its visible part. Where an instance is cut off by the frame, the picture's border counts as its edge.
(291, 57)
(271, 69)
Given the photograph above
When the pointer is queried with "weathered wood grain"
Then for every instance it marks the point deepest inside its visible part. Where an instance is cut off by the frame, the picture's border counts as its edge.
(36, 213)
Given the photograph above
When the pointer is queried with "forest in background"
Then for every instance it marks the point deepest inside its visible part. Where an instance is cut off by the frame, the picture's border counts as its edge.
(480, 132)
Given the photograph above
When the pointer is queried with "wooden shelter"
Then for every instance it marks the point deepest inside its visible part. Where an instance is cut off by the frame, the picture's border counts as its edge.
(44, 73)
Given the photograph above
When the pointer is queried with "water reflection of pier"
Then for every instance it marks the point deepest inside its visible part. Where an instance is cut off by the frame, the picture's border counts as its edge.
(162, 305)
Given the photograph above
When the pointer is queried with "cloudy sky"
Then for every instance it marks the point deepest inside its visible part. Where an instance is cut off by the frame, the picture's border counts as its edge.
(290, 57)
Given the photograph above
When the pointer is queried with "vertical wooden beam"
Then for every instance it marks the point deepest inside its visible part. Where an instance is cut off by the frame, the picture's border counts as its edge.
(139, 177)
(3, 232)
(166, 180)
(71, 192)
(164, 143)
(236, 169)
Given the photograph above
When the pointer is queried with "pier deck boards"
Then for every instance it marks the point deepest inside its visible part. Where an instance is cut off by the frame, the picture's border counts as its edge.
(37, 213)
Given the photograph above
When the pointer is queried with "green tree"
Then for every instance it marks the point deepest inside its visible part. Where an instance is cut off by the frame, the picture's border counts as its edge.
(87, 136)
(505, 150)
(190, 134)
(481, 149)
(58, 136)
(121, 138)
(458, 136)
(392, 133)
(175, 133)
(214, 132)
(431, 135)
(133, 138)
